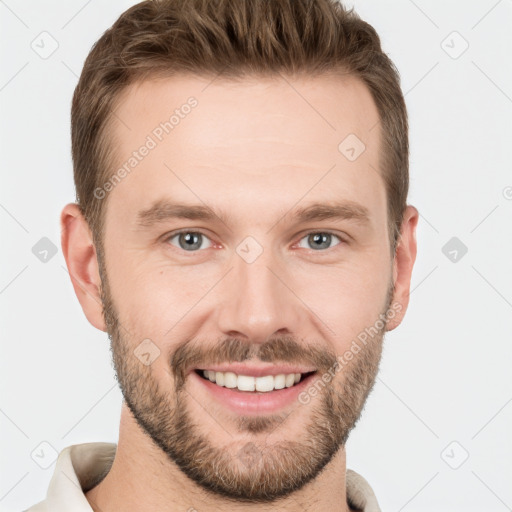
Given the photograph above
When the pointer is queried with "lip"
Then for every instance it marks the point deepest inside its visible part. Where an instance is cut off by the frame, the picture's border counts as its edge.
(253, 402)
(252, 370)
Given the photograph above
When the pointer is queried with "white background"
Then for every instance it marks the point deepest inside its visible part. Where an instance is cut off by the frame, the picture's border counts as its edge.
(445, 375)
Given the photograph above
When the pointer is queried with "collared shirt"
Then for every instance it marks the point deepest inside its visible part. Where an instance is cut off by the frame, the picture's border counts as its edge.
(80, 467)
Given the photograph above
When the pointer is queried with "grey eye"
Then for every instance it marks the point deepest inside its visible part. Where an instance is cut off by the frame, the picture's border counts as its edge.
(319, 240)
(189, 240)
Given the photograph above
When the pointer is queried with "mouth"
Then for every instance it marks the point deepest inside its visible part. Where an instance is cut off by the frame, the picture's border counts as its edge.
(268, 390)
(253, 384)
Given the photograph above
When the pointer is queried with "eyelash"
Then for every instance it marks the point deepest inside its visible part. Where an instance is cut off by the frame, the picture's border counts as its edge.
(174, 234)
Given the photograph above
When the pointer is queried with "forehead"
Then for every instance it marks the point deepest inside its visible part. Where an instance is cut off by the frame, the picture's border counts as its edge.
(244, 138)
(324, 108)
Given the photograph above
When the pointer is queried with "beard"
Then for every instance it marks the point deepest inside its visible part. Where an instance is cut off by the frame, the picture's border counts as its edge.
(254, 471)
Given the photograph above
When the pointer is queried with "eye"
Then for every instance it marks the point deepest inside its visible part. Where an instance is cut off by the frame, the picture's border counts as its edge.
(189, 241)
(319, 240)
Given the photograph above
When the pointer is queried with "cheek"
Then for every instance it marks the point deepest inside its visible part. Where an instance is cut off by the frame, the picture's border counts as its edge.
(347, 300)
(154, 298)
(137, 296)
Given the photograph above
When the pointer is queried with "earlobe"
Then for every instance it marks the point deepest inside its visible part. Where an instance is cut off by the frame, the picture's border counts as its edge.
(405, 256)
(81, 260)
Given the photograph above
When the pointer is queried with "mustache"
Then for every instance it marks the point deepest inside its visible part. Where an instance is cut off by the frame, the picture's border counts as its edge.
(192, 354)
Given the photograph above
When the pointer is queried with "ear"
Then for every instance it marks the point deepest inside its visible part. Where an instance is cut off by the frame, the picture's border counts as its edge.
(405, 256)
(82, 262)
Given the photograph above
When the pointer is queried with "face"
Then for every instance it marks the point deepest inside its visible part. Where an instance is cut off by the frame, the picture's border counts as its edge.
(216, 258)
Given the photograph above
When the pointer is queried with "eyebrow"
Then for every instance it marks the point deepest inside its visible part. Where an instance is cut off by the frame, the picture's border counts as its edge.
(163, 210)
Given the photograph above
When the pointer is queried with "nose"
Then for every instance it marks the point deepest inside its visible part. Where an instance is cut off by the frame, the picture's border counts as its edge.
(258, 302)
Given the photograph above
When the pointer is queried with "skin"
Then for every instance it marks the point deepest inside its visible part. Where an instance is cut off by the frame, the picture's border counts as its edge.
(251, 146)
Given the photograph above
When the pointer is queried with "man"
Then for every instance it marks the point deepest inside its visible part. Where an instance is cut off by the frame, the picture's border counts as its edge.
(242, 234)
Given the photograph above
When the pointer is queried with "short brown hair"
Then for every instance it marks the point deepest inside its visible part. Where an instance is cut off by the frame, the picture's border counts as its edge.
(233, 39)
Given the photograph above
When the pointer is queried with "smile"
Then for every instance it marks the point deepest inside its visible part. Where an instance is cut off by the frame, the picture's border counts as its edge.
(248, 383)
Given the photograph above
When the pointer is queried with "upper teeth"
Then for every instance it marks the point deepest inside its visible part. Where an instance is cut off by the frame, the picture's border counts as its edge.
(248, 383)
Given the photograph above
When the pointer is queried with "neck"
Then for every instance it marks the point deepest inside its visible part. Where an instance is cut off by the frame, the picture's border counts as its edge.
(142, 477)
